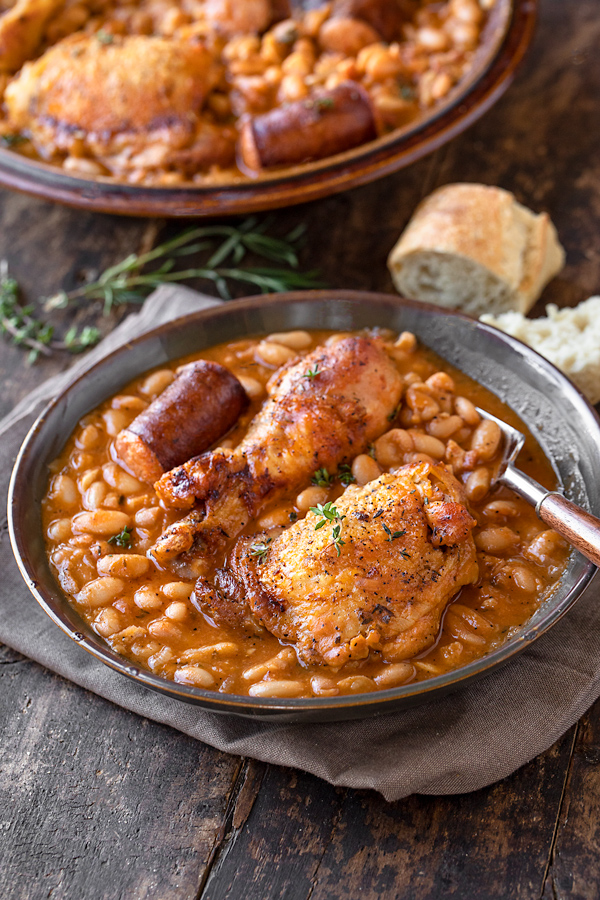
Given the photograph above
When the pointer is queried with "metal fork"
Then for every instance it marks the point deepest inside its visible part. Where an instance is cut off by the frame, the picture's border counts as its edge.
(577, 526)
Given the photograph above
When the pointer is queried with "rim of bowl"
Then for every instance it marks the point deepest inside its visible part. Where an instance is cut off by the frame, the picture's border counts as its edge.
(236, 704)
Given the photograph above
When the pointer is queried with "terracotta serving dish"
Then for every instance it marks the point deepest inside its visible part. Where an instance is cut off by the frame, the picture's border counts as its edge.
(507, 36)
(565, 424)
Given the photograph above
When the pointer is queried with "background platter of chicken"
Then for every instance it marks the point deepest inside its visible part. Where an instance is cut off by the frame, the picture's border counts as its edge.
(166, 92)
(303, 514)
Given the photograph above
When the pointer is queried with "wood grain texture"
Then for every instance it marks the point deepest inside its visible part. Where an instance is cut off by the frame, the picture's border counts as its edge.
(96, 803)
(303, 838)
(574, 870)
(98, 812)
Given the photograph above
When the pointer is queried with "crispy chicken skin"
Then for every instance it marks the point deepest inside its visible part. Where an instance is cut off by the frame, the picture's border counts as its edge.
(21, 31)
(131, 102)
(307, 422)
(407, 550)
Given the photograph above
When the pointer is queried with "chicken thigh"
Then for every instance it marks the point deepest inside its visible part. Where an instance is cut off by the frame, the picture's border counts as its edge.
(129, 101)
(308, 422)
(377, 575)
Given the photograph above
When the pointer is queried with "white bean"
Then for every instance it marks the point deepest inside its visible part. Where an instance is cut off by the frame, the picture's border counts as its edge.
(115, 421)
(99, 592)
(426, 443)
(295, 340)
(176, 611)
(396, 673)
(123, 565)
(223, 650)
(94, 496)
(59, 530)
(365, 469)
(273, 355)
(64, 490)
(164, 630)
(311, 496)
(101, 521)
(253, 388)
(123, 482)
(157, 382)
(194, 675)
(391, 447)
(276, 689)
(107, 622)
(88, 438)
(148, 599)
(177, 590)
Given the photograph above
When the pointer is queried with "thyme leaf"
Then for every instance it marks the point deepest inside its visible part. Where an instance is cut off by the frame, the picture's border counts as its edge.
(393, 535)
(329, 513)
(322, 478)
(344, 473)
(259, 550)
(312, 373)
(123, 539)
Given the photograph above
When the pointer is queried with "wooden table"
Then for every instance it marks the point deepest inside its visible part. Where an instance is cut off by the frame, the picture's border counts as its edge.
(98, 803)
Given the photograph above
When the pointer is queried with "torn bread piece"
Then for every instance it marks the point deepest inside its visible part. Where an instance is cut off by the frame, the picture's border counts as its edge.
(569, 338)
(474, 248)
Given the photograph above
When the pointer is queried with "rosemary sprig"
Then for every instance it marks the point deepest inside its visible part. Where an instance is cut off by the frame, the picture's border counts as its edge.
(19, 323)
(136, 276)
(126, 282)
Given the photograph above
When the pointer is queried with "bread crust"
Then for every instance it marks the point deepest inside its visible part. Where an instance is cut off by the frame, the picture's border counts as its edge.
(485, 227)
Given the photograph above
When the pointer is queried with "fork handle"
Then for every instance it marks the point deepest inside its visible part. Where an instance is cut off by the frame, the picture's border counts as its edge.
(578, 527)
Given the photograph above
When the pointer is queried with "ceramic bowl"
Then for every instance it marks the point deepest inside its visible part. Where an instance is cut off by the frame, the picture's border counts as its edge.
(564, 423)
(506, 38)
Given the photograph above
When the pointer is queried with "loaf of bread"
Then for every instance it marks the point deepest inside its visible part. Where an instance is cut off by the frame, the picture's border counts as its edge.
(474, 248)
(569, 338)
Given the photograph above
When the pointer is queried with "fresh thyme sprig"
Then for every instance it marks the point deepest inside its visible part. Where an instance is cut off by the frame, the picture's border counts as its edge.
(123, 539)
(129, 281)
(19, 323)
(330, 513)
(260, 550)
(126, 282)
(392, 535)
(327, 513)
(312, 373)
(338, 543)
(344, 473)
(322, 478)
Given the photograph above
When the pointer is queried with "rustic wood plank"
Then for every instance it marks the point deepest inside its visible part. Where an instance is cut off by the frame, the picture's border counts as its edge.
(97, 803)
(47, 248)
(575, 867)
(303, 838)
(276, 837)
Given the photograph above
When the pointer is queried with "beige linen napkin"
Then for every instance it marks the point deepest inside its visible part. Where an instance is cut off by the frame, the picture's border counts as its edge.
(460, 743)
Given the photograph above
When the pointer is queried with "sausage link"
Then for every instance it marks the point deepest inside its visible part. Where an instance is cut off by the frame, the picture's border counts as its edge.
(322, 125)
(203, 402)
